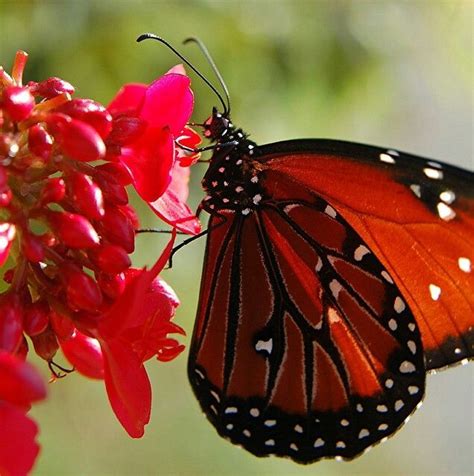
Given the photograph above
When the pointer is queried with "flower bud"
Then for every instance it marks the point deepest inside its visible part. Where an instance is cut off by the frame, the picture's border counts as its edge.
(78, 140)
(114, 192)
(51, 87)
(7, 235)
(54, 190)
(5, 198)
(110, 258)
(86, 195)
(8, 275)
(90, 112)
(11, 322)
(36, 318)
(40, 142)
(46, 344)
(73, 230)
(62, 326)
(18, 102)
(118, 228)
(85, 354)
(32, 247)
(117, 170)
(111, 285)
(82, 291)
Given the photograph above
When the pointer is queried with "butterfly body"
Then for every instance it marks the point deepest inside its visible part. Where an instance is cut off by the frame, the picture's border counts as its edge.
(324, 264)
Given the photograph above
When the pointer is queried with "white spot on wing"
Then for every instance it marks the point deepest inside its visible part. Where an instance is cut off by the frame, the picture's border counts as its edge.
(298, 428)
(382, 408)
(389, 383)
(270, 423)
(344, 422)
(319, 264)
(383, 426)
(433, 173)
(392, 324)
(413, 389)
(448, 196)
(436, 165)
(246, 433)
(270, 442)
(435, 292)
(363, 433)
(255, 412)
(392, 152)
(265, 345)
(386, 158)
(399, 305)
(464, 264)
(412, 346)
(340, 444)
(318, 443)
(387, 277)
(330, 211)
(416, 189)
(230, 410)
(335, 287)
(399, 405)
(445, 212)
(254, 179)
(360, 252)
(407, 367)
(245, 211)
(256, 199)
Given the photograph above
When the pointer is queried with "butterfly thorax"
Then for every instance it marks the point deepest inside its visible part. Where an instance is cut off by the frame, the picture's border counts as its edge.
(231, 181)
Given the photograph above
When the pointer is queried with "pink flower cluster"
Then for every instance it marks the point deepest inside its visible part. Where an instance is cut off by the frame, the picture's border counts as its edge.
(66, 232)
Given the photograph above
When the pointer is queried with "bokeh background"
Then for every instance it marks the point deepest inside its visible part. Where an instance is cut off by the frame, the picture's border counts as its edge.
(397, 74)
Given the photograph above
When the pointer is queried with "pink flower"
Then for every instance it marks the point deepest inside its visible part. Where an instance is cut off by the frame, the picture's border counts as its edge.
(132, 331)
(148, 120)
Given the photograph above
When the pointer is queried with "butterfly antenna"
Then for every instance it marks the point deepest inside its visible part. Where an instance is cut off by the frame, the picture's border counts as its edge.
(151, 36)
(212, 64)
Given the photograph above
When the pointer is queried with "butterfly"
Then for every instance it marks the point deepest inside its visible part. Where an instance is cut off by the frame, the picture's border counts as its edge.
(336, 275)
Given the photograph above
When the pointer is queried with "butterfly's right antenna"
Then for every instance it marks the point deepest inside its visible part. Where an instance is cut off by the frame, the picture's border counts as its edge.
(212, 63)
(151, 36)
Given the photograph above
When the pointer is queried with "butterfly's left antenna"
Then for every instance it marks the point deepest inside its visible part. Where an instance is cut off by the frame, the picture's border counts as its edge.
(151, 36)
(213, 65)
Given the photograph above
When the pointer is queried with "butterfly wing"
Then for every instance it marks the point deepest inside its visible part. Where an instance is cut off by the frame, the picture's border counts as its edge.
(301, 348)
(416, 216)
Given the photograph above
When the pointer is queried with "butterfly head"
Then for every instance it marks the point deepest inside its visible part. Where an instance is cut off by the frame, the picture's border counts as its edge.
(217, 126)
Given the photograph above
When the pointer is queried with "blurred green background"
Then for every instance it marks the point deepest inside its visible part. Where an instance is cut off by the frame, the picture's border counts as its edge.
(397, 74)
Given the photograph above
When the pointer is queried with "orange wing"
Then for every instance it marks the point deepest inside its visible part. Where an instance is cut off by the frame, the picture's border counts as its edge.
(416, 216)
(301, 348)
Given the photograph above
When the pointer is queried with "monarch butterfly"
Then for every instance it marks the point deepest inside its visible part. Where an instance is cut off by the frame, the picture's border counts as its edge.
(335, 276)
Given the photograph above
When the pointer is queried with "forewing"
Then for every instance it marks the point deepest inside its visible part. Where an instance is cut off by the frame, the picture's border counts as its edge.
(416, 215)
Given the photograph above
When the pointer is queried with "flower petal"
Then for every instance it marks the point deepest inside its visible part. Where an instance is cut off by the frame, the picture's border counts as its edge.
(20, 383)
(169, 103)
(128, 100)
(177, 213)
(178, 69)
(149, 162)
(128, 386)
(18, 448)
(126, 313)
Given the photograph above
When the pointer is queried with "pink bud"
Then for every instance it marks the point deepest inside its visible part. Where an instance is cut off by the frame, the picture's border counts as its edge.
(46, 344)
(116, 170)
(36, 318)
(62, 326)
(73, 230)
(54, 190)
(40, 142)
(110, 258)
(79, 140)
(118, 228)
(52, 87)
(90, 112)
(11, 322)
(82, 291)
(32, 247)
(126, 129)
(85, 354)
(111, 285)
(86, 195)
(114, 192)
(18, 102)
(5, 198)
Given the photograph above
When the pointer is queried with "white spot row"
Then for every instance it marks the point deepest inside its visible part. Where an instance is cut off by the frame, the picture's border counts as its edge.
(435, 174)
